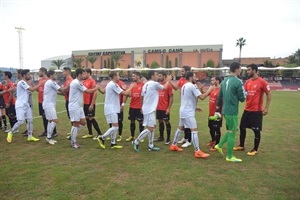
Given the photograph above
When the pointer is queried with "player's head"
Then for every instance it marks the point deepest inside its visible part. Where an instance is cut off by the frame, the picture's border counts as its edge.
(162, 76)
(66, 71)
(190, 76)
(215, 80)
(184, 70)
(114, 76)
(7, 75)
(252, 70)
(235, 68)
(42, 72)
(19, 73)
(152, 75)
(136, 76)
(88, 73)
(80, 73)
(25, 73)
(52, 75)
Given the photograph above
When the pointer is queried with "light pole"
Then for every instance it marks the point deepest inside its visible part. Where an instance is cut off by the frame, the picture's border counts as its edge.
(19, 30)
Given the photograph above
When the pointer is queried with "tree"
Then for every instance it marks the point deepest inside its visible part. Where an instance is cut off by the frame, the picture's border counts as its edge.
(240, 43)
(78, 62)
(154, 65)
(112, 65)
(268, 63)
(108, 63)
(297, 57)
(104, 63)
(92, 60)
(210, 63)
(170, 64)
(116, 58)
(58, 63)
(176, 62)
(167, 62)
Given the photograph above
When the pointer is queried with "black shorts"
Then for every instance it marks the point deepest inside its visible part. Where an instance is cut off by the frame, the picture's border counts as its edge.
(214, 124)
(135, 114)
(11, 111)
(252, 119)
(120, 116)
(2, 103)
(67, 108)
(41, 110)
(161, 114)
(88, 113)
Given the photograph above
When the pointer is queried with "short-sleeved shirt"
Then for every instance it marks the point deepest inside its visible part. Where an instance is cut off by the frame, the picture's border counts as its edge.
(89, 84)
(164, 96)
(112, 99)
(255, 93)
(41, 90)
(181, 82)
(68, 81)
(150, 96)
(189, 94)
(22, 94)
(122, 86)
(213, 97)
(6, 96)
(136, 96)
(76, 95)
(50, 94)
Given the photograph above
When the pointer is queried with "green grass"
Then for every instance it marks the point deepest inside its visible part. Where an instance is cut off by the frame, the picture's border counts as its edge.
(41, 171)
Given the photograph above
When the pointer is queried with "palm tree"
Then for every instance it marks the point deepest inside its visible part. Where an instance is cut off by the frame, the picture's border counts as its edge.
(92, 60)
(78, 62)
(240, 42)
(116, 58)
(58, 63)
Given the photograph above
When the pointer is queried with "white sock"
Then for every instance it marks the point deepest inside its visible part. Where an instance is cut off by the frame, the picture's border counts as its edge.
(48, 130)
(177, 136)
(142, 135)
(74, 132)
(151, 139)
(29, 127)
(114, 134)
(195, 140)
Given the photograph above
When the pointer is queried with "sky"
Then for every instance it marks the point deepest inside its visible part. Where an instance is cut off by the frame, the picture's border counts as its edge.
(56, 27)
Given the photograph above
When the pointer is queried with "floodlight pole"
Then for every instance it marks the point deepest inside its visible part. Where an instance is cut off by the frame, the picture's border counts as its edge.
(19, 30)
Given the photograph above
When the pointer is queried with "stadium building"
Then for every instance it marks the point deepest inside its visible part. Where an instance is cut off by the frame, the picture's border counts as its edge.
(151, 57)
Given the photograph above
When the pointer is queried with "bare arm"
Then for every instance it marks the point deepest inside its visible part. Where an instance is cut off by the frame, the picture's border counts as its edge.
(204, 95)
(174, 85)
(170, 103)
(266, 110)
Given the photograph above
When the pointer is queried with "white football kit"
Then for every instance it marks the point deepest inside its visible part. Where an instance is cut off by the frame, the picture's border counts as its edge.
(112, 102)
(76, 100)
(23, 109)
(49, 103)
(150, 101)
(189, 95)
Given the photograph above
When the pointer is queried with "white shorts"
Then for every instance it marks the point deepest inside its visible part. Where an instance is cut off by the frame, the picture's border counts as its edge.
(188, 122)
(112, 118)
(76, 115)
(50, 113)
(23, 113)
(149, 120)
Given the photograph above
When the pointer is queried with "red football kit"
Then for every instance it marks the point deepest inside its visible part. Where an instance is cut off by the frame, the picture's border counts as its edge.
(255, 93)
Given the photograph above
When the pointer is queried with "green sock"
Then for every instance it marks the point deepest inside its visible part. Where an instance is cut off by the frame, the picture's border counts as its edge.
(230, 144)
(223, 140)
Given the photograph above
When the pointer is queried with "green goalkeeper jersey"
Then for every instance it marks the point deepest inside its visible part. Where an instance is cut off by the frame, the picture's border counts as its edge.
(231, 92)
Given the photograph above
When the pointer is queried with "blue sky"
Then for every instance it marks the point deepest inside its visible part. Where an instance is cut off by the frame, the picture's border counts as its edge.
(271, 28)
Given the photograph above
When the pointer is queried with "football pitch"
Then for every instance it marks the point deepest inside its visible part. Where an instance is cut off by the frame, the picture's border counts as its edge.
(42, 171)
